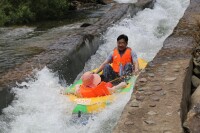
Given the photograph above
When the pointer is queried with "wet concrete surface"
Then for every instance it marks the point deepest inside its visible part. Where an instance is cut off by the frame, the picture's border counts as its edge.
(164, 110)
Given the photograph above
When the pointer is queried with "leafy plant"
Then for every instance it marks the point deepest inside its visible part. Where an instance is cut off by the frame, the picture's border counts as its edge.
(25, 11)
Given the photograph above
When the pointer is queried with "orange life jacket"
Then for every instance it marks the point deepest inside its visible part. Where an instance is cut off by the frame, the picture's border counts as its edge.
(124, 59)
(100, 90)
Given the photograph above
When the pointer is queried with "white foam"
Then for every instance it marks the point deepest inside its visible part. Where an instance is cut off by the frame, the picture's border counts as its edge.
(17, 32)
(38, 107)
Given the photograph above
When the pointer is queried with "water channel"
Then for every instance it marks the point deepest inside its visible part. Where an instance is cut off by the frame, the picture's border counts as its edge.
(40, 108)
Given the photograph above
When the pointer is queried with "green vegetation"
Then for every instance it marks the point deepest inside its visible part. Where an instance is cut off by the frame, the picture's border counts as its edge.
(26, 11)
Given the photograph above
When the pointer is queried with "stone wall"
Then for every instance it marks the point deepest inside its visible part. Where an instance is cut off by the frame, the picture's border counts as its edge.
(161, 100)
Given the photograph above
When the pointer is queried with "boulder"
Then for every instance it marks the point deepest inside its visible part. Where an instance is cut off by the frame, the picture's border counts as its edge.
(196, 71)
(195, 81)
(196, 56)
(192, 122)
(195, 98)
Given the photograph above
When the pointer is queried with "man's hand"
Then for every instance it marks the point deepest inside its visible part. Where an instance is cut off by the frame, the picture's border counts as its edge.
(136, 68)
(94, 72)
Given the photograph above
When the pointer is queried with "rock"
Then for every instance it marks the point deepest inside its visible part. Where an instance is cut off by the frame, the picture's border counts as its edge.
(196, 61)
(160, 70)
(140, 89)
(151, 64)
(169, 83)
(151, 74)
(179, 113)
(196, 108)
(195, 98)
(148, 93)
(139, 92)
(176, 70)
(196, 71)
(174, 91)
(136, 85)
(166, 128)
(164, 64)
(196, 52)
(170, 78)
(152, 113)
(132, 112)
(143, 71)
(134, 104)
(192, 123)
(176, 74)
(85, 25)
(157, 88)
(152, 105)
(167, 131)
(143, 80)
(154, 80)
(177, 67)
(143, 88)
(168, 114)
(149, 122)
(128, 123)
(169, 107)
(133, 97)
(184, 33)
(140, 98)
(154, 98)
(163, 93)
(195, 81)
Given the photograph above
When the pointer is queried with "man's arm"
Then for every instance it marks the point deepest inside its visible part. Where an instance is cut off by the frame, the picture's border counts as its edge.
(102, 66)
(136, 67)
(135, 62)
(108, 60)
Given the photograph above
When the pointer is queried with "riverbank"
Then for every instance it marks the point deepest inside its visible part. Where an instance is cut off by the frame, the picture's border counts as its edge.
(161, 100)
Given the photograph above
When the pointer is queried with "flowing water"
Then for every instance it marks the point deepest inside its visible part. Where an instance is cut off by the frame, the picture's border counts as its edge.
(40, 108)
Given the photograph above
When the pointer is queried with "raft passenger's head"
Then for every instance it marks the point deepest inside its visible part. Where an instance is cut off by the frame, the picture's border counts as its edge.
(90, 80)
(122, 42)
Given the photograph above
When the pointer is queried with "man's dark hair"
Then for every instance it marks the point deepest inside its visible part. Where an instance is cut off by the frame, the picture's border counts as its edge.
(122, 36)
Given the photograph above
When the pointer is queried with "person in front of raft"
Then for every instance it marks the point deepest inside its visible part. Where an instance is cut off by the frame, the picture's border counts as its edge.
(92, 86)
(124, 61)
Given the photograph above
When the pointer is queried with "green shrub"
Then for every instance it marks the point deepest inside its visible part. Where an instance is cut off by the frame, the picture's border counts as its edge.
(49, 9)
(25, 11)
(21, 15)
(3, 18)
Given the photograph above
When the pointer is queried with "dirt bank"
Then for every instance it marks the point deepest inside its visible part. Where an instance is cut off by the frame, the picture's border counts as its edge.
(160, 102)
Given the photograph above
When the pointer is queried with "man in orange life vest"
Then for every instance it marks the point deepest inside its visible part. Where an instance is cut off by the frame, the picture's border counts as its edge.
(123, 59)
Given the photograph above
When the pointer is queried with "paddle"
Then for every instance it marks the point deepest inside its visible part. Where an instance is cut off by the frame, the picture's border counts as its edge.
(125, 76)
(119, 78)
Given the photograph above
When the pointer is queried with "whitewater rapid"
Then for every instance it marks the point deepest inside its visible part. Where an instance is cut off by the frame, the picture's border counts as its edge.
(39, 107)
